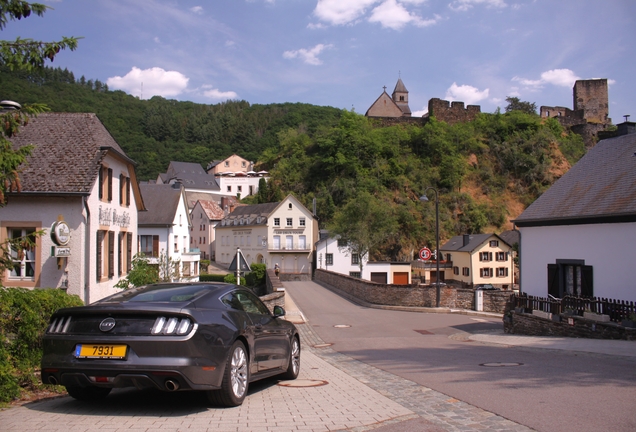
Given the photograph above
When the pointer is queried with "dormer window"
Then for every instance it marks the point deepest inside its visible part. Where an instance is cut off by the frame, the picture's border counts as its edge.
(290, 206)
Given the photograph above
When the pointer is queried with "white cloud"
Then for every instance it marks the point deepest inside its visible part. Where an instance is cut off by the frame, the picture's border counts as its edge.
(154, 81)
(197, 10)
(338, 12)
(465, 93)
(394, 15)
(217, 94)
(464, 5)
(559, 77)
(309, 56)
(389, 13)
(420, 113)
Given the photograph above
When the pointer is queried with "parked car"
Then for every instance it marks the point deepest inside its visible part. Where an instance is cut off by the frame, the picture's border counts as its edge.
(485, 287)
(214, 337)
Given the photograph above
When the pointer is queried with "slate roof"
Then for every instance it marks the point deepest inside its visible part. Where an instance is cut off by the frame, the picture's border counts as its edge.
(68, 151)
(456, 244)
(161, 202)
(190, 175)
(400, 87)
(250, 213)
(599, 188)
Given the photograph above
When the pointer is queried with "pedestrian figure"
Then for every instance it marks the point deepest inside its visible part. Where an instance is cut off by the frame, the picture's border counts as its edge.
(276, 269)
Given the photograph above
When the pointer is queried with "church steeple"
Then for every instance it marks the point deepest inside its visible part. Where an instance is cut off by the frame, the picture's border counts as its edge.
(401, 97)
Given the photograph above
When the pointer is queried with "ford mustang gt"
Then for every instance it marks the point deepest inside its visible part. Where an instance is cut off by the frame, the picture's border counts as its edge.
(213, 337)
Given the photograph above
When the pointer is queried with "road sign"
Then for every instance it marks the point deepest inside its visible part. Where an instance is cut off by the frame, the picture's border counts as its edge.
(239, 263)
(425, 254)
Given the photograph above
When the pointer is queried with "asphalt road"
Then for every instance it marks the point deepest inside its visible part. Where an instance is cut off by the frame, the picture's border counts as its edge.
(543, 389)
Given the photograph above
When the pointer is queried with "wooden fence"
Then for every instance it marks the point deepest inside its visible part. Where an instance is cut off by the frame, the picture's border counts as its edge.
(618, 310)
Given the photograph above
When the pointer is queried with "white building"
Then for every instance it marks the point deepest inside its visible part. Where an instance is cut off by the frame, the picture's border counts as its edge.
(77, 174)
(164, 231)
(579, 237)
(280, 233)
(236, 176)
(334, 255)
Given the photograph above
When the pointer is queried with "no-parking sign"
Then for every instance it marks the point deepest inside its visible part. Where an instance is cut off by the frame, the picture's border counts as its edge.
(425, 254)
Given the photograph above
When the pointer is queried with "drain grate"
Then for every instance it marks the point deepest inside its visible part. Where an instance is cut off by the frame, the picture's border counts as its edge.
(303, 383)
(501, 364)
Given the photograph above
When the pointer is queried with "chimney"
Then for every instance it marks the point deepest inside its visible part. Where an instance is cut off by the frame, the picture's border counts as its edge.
(466, 239)
(625, 128)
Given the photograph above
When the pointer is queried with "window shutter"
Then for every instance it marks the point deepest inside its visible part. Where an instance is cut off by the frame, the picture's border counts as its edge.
(587, 281)
(111, 254)
(121, 189)
(553, 280)
(110, 184)
(489, 256)
(120, 254)
(127, 191)
(100, 239)
(100, 181)
(129, 254)
(155, 246)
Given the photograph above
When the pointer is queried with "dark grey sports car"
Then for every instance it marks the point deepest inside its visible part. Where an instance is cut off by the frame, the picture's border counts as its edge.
(214, 337)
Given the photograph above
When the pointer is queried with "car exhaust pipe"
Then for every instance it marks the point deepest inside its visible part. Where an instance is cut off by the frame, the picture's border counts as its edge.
(52, 380)
(172, 385)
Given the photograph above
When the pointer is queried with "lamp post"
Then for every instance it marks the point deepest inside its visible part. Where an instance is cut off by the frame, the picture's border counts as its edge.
(424, 198)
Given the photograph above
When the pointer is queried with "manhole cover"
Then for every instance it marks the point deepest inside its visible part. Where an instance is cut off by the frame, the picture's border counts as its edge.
(325, 345)
(342, 326)
(303, 383)
(500, 364)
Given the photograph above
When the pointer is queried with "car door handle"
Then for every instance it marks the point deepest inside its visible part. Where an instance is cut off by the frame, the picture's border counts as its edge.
(258, 326)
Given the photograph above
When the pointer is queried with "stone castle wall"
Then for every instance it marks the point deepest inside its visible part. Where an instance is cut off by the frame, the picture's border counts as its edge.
(591, 96)
(452, 112)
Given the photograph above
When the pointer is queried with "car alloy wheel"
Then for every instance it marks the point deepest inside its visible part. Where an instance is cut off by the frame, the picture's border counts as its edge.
(294, 361)
(235, 378)
(238, 372)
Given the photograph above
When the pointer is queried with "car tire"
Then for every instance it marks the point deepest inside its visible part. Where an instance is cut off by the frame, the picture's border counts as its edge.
(235, 378)
(293, 369)
(87, 393)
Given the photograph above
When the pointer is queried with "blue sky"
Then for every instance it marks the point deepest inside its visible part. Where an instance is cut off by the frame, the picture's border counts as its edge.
(342, 52)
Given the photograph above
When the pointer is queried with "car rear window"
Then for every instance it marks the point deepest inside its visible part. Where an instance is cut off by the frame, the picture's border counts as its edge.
(160, 293)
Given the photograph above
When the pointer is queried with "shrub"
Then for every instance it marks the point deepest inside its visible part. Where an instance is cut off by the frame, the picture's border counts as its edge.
(231, 278)
(24, 316)
(257, 276)
(212, 277)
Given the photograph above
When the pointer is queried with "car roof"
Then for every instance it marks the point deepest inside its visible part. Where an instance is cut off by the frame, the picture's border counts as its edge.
(181, 292)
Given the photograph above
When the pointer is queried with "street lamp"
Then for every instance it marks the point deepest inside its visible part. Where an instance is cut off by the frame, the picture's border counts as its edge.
(424, 198)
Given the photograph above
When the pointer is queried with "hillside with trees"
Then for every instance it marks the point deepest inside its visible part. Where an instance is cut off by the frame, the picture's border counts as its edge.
(487, 171)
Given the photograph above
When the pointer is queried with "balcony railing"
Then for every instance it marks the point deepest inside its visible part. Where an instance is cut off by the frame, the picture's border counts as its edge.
(296, 247)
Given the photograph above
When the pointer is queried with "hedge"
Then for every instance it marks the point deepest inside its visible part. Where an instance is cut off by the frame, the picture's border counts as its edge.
(24, 316)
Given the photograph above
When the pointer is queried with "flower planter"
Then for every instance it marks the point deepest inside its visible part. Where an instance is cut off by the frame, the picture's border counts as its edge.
(596, 317)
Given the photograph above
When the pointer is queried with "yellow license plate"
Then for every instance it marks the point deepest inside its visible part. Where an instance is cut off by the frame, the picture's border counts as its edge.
(101, 351)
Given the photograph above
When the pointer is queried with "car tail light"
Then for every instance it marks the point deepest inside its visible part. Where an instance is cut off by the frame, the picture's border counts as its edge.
(171, 325)
(59, 325)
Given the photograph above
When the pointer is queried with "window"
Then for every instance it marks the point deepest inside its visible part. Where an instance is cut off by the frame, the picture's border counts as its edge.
(342, 243)
(465, 271)
(227, 163)
(494, 243)
(105, 184)
(23, 255)
(124, 190)
(249, 240)
(570, 277)
(485, 256)
(329, 259)
(243, 164)
(239, 188)
(501, 256)
(276, 242)
(302, 242)
(301, 221)
(176, 244)
(289, 242)
(277, 222)
(485, 272)
(149, 245)
(355, 274)
(502, 271)
(229, 188)
(456, 270)
(355, 259)
(105, 255)
(289, 222)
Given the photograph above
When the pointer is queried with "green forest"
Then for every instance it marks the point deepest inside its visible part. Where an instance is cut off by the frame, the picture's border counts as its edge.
(359, 172)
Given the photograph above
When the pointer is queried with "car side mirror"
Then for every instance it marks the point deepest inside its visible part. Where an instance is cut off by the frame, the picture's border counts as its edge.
(279, 311)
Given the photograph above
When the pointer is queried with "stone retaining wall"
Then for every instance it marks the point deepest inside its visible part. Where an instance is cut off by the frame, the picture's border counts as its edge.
(274, 299)
(412, 295)
(560, 325)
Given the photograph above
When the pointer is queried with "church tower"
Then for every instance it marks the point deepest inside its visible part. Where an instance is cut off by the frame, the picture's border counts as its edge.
(401, 97)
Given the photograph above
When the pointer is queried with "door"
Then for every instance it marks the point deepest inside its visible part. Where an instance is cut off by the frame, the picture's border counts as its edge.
(400, 278)
(379, 278)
